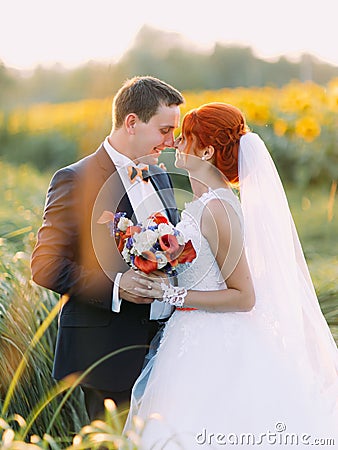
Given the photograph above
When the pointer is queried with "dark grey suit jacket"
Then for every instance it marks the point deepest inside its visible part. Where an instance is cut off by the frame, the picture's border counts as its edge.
(74, 255)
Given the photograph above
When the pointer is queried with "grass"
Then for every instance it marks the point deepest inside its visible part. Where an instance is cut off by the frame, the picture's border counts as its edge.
(24, 306)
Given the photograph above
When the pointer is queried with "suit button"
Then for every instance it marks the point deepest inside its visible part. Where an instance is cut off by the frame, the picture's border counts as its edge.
(144, 321)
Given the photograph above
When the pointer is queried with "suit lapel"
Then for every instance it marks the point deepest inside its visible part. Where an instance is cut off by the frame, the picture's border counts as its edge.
(109, 193)
(113, 185)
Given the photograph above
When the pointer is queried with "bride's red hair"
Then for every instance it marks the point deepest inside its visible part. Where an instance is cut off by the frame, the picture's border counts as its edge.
(220, 125)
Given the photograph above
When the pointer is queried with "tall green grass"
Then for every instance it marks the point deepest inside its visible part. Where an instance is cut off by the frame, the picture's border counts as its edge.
(24, 307)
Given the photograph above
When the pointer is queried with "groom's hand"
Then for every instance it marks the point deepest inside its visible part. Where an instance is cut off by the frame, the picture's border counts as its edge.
(152, 285)
(128, 282)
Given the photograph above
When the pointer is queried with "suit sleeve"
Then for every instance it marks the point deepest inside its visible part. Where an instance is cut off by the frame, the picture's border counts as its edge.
(56, 262)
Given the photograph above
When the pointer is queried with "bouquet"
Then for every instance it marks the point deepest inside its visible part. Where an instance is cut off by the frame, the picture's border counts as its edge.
(154, 244)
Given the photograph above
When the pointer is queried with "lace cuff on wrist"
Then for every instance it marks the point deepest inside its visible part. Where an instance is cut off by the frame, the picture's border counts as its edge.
(174, 295)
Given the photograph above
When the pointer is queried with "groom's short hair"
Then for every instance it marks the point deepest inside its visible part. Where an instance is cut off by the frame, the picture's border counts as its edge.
(143, 96)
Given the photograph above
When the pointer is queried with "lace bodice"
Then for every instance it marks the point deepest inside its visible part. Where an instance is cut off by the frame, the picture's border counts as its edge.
(203, 274)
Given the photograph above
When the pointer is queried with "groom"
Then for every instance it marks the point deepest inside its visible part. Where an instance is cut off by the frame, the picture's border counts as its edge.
(75, 255)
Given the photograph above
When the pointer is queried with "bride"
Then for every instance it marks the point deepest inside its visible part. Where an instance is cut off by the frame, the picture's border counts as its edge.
(247, 357)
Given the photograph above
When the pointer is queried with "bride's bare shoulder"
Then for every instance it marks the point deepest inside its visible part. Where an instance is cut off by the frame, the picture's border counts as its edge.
(216, 216)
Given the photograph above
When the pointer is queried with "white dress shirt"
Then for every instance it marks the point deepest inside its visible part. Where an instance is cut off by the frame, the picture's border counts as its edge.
(144, 201)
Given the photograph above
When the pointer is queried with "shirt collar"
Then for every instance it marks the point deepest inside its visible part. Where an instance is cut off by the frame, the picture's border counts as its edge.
(118, 158)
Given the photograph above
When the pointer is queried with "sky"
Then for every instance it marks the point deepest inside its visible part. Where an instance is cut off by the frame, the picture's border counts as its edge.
(73, 32)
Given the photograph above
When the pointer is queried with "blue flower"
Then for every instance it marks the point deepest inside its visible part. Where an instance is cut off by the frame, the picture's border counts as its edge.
(129, 243)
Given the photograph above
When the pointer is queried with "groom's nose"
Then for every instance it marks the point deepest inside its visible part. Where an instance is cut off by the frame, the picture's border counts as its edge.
(169, 140)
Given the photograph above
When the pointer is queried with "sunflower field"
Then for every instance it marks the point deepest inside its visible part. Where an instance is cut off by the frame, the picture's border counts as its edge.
(299, 122)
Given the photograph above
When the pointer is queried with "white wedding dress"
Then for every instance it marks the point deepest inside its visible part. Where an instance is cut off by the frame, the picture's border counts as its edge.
(221, 379)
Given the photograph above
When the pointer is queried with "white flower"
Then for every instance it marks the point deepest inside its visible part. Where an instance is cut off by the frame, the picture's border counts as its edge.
(144, 241)
(125, 254)
(164, 229)
(161, 259)
(124, 223)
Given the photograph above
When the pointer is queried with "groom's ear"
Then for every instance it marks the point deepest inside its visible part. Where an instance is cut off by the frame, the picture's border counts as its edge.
(130, 122)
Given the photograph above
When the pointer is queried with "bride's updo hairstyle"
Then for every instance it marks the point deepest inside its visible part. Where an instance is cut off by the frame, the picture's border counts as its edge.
(220, 125)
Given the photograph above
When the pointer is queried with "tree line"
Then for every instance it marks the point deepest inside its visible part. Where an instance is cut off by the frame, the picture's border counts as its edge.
(165, 55)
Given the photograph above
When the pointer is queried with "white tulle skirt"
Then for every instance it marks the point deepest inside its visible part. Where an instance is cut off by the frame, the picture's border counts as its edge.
(222, 380)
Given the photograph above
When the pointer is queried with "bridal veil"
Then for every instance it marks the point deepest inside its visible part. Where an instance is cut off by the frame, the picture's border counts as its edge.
(284, 290)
